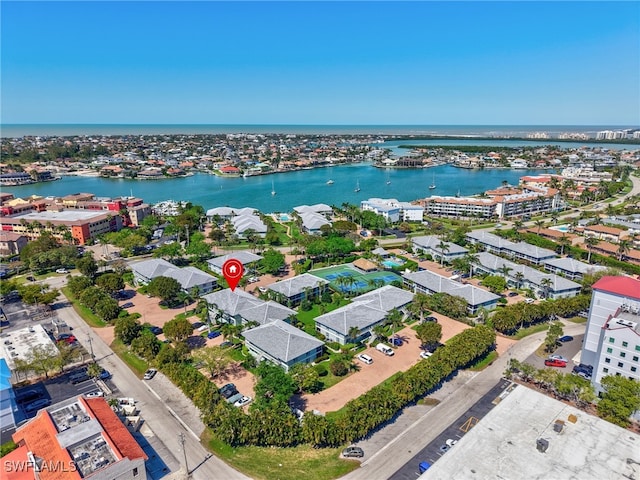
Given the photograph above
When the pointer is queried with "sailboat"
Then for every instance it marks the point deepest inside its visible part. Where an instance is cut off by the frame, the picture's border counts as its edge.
(388, 180)
(357, 189)
(433, 182)
(329, 182)
(273, 190)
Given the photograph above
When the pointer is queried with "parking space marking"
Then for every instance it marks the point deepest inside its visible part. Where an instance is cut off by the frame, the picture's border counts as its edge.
(469, 424)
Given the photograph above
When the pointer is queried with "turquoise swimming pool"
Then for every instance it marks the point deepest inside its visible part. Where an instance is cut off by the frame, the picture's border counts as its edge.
(284, 217)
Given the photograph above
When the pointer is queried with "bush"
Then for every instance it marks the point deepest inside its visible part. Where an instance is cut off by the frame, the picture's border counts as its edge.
(322, 358)
(334, 346)
(338, 368)
(306, 305)
(321, 370)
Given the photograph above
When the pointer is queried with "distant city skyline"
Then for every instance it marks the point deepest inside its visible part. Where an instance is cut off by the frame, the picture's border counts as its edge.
(321, 63)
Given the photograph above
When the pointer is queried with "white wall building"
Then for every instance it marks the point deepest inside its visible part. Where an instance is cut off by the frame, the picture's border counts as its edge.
(393, 210)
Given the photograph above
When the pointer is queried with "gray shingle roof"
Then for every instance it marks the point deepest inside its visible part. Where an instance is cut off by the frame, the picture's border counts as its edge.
(281, 340)
(572, 265)
(296, 285)
(317, 208)
(243, 256)
(188, 277)
(313, 221)
(493, 262)
(439, 284)
(522, 248)
(432, 242)
(252, 309)
(366, 310)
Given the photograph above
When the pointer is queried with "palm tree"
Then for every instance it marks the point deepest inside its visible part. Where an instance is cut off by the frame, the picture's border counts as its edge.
(539, 224)
(546, 284)
(505, 270)
(623, 247)
(444, 248)
(353, 334)
(590, 242)
(471, 259)
(519, 276)
(564, 241)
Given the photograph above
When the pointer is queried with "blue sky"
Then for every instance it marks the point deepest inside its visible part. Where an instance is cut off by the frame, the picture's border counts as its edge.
(502, 63)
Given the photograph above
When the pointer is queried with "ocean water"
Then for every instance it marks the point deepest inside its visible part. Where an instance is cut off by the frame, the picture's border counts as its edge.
(292, 188)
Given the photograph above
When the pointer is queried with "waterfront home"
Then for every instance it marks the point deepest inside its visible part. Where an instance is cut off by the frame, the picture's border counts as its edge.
(321, 208)
(293, 290)
(430, 244)
(282, 344)
(521, 276)
(227, 213)
(571, 268)
(392, 210)
(312, 223)
(249, 260)
(521, 250)
(244, 223)
(364, 313)
(190, 278)
(238, 307)
(429, 283)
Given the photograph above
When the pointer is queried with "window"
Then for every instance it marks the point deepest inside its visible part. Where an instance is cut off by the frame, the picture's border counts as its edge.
(622, 354)
(637, 348)
(135, 472)
(635, 358)
(609, 350)
(612, 340)
(620, 364)
(633, 369)
(607, 360)
(625, 344)
(605, 370)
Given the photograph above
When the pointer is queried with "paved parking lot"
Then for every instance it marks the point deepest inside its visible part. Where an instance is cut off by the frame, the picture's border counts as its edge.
(433, 451)
(569, 350)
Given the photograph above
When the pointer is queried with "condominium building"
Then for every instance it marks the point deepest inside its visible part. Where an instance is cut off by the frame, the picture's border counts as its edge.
(501, 246)
(459, 207)
(393, 210)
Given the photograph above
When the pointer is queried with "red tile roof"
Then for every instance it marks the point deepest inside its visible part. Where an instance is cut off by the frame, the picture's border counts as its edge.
(625, 286)
(120, 437)
(14, 466)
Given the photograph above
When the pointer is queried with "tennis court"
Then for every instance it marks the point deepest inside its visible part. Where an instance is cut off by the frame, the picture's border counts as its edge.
(358, 281)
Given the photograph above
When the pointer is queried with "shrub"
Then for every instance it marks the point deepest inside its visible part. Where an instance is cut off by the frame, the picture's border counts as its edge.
(321, 369)
(338, 368)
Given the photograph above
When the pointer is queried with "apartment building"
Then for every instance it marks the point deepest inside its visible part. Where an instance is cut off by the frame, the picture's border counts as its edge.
(459, 207)
(501, 246)
(393, 210)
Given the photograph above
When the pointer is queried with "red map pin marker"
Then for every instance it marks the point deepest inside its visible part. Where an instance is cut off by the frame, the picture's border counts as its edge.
(232, 271)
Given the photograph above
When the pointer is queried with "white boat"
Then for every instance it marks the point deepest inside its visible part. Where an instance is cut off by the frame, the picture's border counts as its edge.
(329, 182)
(433, 183)
(357, 189)
(273, 190)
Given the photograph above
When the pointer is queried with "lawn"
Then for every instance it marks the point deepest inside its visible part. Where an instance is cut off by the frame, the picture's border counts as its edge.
(525, 332)
(265, 463)
(134, 362)
(484, 361)
(308, 317)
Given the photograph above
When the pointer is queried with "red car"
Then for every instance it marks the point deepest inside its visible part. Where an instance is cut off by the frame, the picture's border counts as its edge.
(66, 337)
(550, 362)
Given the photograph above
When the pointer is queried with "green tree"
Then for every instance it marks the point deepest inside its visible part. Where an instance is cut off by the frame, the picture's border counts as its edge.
(178, 329)
(67, 353)
(107, 309)
(621, 397)
(273, 385)
(429, 333)
(110, 282)
(164, 287)
(126, 329)
(94, 370)
(306, 378)
(42, 359)
(146, 345)
(272, 261)
(554, 332)
(87, 266)
(77, 284)
(494, 283)
(215, 359)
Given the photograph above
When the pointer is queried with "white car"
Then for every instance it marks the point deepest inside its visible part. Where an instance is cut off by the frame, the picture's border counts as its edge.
(425, 354)
(62, 270)
(149, 374)
(97, 394)
(560, 358)
(364, 358)
(243, 401)
(451, 442)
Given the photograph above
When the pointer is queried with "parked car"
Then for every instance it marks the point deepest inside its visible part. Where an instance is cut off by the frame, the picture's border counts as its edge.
(513, 294)
(66, 337)
(79, 376)
(386, 349)
(155, 330)
(37, 405)
(451, 442)
(425, 354)
(127, 305)
(30, 395)
(549, 362)
(423, 467)
(243, 401)
(397, 342)
(228, 390)
(104, 374)
(96, 394)
(529, 300)
(236, 397)
(62, 270)
(555, 356)
(565, 339)
(213, 334)
(430, 319)
(149, 374)
(444, 448)
(364, 358)
(350, 452)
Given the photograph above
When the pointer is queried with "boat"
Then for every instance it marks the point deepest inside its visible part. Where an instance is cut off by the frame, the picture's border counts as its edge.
(357, 189)
(329, 182)
(433, 183)
(273, 190)
(388, 180)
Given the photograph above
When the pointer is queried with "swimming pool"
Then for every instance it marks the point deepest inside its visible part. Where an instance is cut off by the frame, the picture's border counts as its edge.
(560, 228)
(284, 217)
(391, 264)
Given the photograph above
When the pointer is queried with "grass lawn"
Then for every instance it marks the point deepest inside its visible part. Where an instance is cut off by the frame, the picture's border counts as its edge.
(87, 315)
(484, 361)
(525, 332)
(267, 463)
(577, 320)
(307, 318)
(134, 362)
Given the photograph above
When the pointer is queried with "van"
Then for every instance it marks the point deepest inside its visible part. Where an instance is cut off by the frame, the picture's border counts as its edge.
(386, 349)
(364, 358)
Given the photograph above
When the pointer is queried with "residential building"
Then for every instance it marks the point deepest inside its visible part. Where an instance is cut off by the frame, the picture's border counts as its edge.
(223, 214)
(242, 224)
(11, 243)
(521, 276)
(501, 246)
(364, 313)
(8, 405)
(77, 438)
(619, 346)
(439, 206)
(429, 283)
(282, 344)
(610, 294)
(238, 307)
(392, 210)
(604, 232)
(190, 278)
(249, 260)
(321, 208)
(430, 244)
(312, 223)
(292, 291)
(570, 267)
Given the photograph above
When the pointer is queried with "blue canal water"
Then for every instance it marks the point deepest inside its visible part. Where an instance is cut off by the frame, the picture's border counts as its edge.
(293, 188)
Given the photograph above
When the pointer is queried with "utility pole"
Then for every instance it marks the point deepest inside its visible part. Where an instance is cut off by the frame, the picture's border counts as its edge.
(93, 357)
(184, 451)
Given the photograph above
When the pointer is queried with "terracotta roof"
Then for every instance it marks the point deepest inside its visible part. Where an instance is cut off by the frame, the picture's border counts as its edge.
(626, 286)
(14, 458)
(120, 437)
(39, 436)
(604, 229)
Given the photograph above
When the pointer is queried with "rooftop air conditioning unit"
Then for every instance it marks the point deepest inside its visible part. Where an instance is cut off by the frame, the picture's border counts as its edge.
(542, 445)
